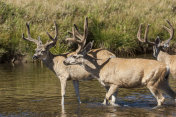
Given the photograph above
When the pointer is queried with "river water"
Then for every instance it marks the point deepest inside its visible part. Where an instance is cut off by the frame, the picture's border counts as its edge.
(32, 90)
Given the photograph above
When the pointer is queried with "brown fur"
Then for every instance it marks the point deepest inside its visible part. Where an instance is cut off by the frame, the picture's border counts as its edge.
(55, 62)
(127, 73)
(170, 60)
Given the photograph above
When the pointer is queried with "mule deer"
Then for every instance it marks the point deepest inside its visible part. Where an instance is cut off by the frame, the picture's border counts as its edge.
(55, 62)
(159, 47)
(125, 73)
(80, 40)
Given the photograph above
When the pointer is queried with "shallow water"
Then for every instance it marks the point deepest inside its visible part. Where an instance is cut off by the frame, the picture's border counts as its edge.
(31, 90)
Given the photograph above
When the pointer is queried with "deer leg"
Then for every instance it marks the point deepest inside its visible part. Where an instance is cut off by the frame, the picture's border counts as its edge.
(158, 95)
(113, 97)
(105, 101)
(161, 98)
(166, 88)
(112, 90)
(63, 88)
(76, 86)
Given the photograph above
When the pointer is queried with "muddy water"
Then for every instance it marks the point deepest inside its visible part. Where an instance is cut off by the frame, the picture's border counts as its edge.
(31, 90)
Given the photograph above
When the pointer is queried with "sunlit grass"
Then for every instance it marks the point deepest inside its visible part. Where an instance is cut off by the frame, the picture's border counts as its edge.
(113, 24)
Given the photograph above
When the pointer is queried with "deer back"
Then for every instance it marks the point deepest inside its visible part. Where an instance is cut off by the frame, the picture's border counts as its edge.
(76, 72)
(126, 73)
(131, 72)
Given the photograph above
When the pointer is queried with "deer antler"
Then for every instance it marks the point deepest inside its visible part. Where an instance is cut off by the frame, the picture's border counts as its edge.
(171, 33)
(145, 39)
(29, 38)
(53, 40)
(77, 37)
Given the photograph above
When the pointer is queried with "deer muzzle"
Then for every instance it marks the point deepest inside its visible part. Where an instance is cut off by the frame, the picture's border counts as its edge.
(34, 57)
(65, 63)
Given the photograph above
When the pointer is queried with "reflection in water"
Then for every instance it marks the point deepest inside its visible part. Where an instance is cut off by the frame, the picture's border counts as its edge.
(32, 90)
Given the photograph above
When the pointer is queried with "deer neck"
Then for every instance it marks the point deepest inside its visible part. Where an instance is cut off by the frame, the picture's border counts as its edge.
(94, 66)
(163, 57)
(48, 60)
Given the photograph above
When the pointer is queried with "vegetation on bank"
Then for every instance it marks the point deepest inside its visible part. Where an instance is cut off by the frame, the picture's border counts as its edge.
(112, 24)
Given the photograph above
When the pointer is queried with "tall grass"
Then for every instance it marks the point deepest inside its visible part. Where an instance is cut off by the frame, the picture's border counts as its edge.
(113, 24)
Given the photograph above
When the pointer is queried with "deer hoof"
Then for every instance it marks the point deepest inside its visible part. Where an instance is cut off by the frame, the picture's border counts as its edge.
(104, 103)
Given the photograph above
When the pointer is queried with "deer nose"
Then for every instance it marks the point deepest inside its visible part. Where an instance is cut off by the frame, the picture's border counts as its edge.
(65, 62)
(34, 57)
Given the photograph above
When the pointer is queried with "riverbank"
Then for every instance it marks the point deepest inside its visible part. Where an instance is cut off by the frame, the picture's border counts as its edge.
(112, 24)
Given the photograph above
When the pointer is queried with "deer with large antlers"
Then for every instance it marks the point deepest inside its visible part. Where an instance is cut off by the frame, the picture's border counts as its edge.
(125, 73)
(159, 47)
(77, 37)
(55, 62)
(99, 53)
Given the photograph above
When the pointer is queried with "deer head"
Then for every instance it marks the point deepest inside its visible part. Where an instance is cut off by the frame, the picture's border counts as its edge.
(77, 37)
(158, 45)
(78, 58)
(42, 49)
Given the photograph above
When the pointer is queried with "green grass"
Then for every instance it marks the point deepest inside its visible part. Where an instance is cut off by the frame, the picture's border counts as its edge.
(113, 24)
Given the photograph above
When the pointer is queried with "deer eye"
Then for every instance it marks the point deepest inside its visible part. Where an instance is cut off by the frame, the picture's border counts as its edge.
(74, 56)
(42, 52)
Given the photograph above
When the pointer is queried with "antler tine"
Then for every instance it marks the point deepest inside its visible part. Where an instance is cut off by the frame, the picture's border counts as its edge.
(145, 40)
(76, 27)
(78, 35)
(85, 27)
(83, 38)
(29, 38)
(73, 39)
(28, 29)
(139, 34)
(54, 40)
(56, 33)
(70, 33)
(50, 36)
(146, 36)
(85, 31)
(170, 30)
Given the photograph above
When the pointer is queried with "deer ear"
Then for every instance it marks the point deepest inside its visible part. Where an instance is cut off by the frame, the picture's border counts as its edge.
(87, 48)
(157, 40)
